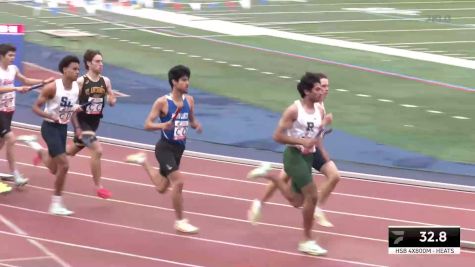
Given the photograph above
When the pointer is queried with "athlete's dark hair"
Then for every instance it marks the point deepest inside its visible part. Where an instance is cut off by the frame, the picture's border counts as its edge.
(178, 72)
(308, 81)
(5, 48)
(66, 61)
(89, 55)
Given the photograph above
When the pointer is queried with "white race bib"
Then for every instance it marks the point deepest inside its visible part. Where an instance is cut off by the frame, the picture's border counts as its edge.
(65, 114)
(96, 105)
(7, 102)
(181, 127)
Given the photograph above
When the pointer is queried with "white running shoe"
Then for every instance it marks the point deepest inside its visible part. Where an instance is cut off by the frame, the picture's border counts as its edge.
(31, 141)
(260, 171)
(20, 180)
(59, 209)
(185, 227)
(321, 219)
(27, 138)
(138, 158)
(311, 247)
(7, 177)
(254, 212)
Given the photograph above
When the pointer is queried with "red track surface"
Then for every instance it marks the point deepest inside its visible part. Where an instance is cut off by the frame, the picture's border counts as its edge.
(135, 227)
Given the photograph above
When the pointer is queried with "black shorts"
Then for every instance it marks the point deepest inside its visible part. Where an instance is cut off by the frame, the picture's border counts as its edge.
(87, 124)
(319, 160)
(168, 156)
(5, 123)
(54, 135)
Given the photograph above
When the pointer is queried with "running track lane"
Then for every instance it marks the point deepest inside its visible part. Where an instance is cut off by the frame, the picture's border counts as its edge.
(135, 227)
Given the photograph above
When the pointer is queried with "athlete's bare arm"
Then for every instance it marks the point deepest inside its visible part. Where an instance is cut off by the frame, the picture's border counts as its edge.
(159, 107)
(194, 123)
(30, 81)
(48, 92)
(110, 93)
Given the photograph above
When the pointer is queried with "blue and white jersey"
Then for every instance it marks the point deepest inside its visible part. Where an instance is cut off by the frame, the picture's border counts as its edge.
(177, 134)
(62, 104)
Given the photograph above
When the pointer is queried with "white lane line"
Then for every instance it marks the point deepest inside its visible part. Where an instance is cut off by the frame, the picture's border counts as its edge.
(36, 239)
(250, 200)
(434, 111)
(35, 243)
(26, 259)
(239, 162)
(232, 244)
(460, 117)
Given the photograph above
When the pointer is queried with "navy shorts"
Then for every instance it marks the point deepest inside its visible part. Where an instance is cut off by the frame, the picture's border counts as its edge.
(87, 124)
(5, 123)
(319, 159)
(168, 156)
(54, 135)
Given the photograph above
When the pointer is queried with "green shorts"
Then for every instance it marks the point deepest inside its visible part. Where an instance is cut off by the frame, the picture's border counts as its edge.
(298, 167)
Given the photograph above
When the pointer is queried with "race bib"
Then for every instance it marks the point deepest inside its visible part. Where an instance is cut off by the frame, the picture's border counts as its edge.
(7, 102)
(65, 114)
(181, 127)
(96, 105)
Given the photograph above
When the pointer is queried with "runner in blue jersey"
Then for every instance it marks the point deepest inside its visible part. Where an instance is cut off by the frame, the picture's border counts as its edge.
(176, 113)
